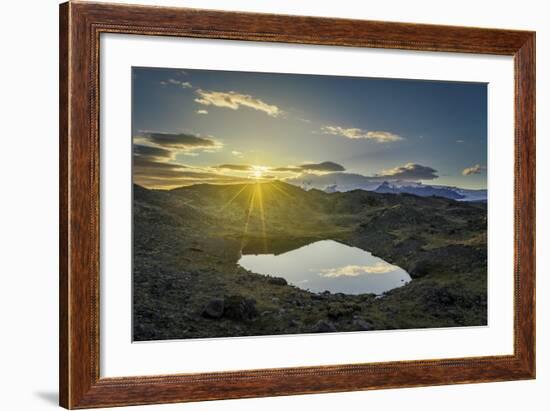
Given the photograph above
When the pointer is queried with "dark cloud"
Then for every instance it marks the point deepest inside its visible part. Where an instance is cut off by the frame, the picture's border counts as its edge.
(180, 141)
(338, 181)
(154, 166)
(325, 166)
(141, 163)
(152, 174)
(410, 171)
(161, 182)
(152, 153)
(287, 169)
(235, 167)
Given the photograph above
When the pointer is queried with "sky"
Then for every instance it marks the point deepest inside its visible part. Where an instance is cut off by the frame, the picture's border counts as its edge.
(222, 127)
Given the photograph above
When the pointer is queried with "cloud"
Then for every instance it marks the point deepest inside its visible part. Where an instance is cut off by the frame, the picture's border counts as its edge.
(235, 167)
(234, 100)
(147, 166)
(164, 178)
(237, 153)
(410, 171)
(357, 133)
(153, 153)
(477, 169)
(155, 166)
(357, 270)
(460, 141)
(291, 169)
(325, 166)
(182, 84)
(201, 111)
(342, 181)
(383, 136)
(153, 170)
(181, 142)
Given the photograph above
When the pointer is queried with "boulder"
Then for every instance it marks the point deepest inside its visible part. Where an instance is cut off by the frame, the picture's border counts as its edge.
(362, 325)
(277, 281)
(294, 323)
(214, 308)
(240, 308)
(324, 326)
(421, 268)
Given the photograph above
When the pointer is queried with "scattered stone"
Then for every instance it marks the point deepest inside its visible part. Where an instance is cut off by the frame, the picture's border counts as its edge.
(277, 281)
(274, 300)
(214, 308)
(324, 326)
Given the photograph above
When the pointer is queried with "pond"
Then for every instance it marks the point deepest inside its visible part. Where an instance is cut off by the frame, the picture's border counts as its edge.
(328, 265)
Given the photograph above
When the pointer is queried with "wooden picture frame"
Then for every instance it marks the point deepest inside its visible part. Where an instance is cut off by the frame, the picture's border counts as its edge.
(80, 27)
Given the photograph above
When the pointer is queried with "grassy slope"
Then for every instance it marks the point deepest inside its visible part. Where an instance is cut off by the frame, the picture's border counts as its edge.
(187, 242)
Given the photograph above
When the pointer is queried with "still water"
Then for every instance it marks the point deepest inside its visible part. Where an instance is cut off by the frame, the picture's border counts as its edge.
(329, 265)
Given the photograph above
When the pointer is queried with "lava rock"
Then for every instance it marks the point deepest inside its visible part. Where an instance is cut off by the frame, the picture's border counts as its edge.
(324, 326)
(421, 268)
(214, 308)
(362, 325)
(277, 281)
(294, 323)
(240, 308)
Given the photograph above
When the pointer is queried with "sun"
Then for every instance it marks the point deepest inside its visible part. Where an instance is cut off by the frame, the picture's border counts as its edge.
(258, 172)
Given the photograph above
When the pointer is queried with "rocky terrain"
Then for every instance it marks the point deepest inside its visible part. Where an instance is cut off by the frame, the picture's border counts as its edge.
(187, 241)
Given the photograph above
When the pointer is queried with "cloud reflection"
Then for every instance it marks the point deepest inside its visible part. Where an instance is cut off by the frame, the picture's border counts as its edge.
(357, 270)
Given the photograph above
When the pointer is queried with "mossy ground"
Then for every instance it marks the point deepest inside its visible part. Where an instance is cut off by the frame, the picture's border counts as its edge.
(187, 243)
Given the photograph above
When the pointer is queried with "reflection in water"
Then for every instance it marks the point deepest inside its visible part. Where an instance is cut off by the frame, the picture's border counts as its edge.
(356, 270)
(330, 265)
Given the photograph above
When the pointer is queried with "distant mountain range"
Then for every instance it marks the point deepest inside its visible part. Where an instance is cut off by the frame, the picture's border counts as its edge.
(422, 190)
(343, 182)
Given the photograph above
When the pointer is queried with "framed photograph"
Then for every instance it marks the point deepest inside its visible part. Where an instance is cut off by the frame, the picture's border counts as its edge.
(258, 205)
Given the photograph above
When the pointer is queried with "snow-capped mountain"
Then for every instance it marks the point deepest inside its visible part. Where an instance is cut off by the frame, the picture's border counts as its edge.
(343, 182)
(423, 190)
